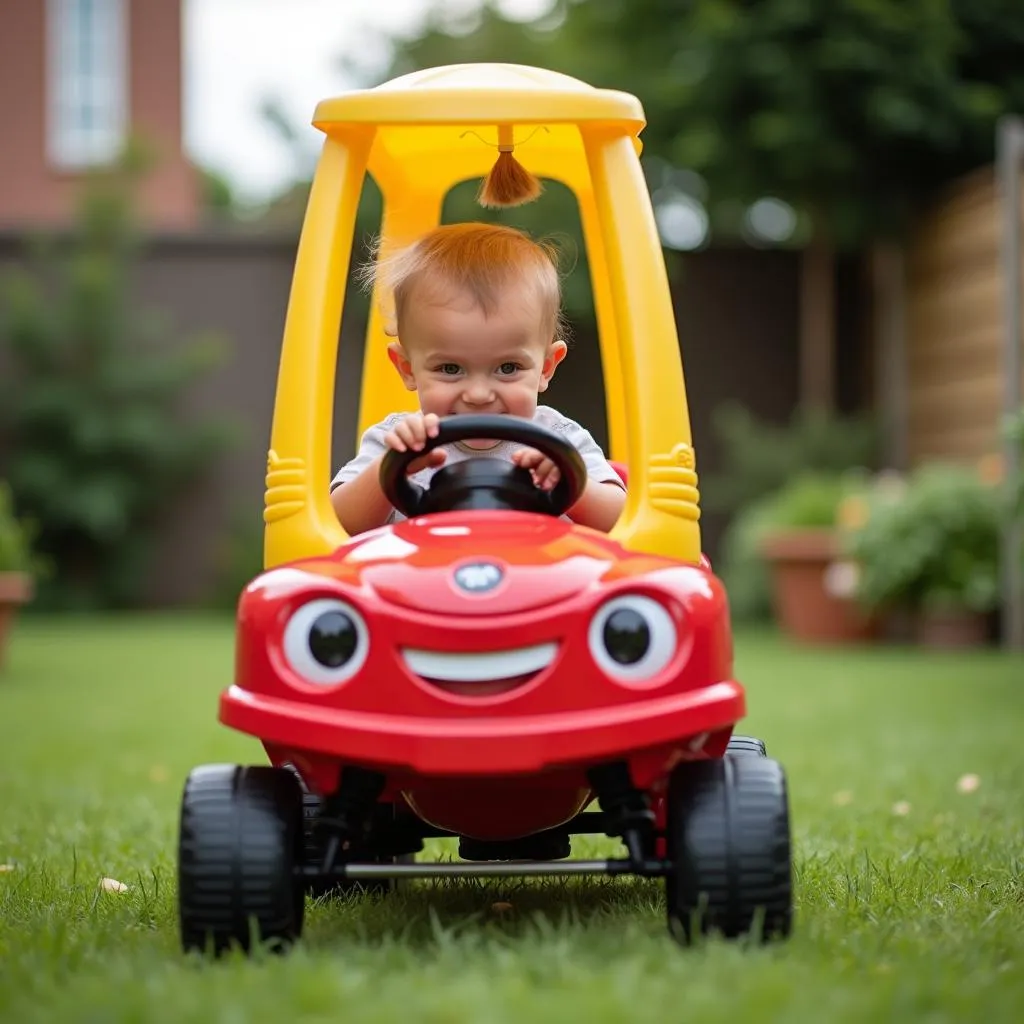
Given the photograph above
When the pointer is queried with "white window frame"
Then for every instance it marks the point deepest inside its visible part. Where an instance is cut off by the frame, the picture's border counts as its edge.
(87, 82)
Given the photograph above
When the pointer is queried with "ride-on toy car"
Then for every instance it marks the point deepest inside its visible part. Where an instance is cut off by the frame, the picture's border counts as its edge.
(485, 669)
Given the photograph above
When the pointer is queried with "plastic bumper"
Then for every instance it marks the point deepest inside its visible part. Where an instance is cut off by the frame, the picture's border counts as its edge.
(485, 745)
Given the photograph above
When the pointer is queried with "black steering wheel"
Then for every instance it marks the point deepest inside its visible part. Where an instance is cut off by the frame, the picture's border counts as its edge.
(487, 483)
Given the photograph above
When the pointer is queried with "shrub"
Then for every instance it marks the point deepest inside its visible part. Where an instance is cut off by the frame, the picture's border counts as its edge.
(97, 452)
(929, 544)
(759, 458)
(16, 554)
(810, 500)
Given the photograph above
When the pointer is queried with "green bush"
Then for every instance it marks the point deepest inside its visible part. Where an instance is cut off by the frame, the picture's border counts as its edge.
(797, 462)
(811, 500)
(932, 543)
(16, 554)
(743, 570)
(96, 449)
(759, 458)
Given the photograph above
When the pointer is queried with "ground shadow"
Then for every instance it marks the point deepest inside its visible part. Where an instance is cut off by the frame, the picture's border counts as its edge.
(425, 913)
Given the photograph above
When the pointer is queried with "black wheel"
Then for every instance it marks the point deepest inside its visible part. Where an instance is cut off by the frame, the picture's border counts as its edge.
(313, 852)
(746, 745)
(239, 844)
(729, 849)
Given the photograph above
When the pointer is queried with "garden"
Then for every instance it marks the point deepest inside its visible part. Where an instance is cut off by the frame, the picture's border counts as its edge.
(865, 602)
(903, 761)
(904, 769)
(834, 551)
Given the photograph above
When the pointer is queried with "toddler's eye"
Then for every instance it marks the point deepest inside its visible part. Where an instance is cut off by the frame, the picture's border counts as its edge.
(450, 369)
(507, 369)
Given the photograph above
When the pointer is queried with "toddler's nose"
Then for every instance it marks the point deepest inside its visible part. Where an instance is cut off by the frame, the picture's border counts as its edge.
(478, 393)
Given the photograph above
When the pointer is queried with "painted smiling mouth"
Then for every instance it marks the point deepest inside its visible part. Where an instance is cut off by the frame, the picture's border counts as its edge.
(481, 674)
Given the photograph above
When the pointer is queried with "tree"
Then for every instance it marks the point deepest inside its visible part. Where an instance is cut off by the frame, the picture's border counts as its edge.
(96, 451)
(851, 111)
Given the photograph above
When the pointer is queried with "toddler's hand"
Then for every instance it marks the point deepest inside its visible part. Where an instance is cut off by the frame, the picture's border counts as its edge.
(544, 472)
(410, 434)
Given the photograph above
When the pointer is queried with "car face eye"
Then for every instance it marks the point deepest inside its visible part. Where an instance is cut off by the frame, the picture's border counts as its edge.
(326, 642)
(632, 638)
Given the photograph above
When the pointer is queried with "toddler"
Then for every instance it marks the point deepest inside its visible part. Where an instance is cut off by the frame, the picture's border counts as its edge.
(477, 318)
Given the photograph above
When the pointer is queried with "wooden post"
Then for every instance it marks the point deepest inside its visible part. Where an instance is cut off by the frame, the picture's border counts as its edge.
(1010, 162)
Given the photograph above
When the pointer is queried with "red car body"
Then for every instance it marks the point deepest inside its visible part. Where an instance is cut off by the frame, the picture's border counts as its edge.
(467, 748)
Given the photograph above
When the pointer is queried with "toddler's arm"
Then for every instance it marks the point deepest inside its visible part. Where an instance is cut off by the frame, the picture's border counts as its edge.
(600, 506)
(601, 501)
(604, 497)
(358, 502)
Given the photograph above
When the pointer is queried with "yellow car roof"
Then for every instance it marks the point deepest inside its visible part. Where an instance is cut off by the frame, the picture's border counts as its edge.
(450, 115)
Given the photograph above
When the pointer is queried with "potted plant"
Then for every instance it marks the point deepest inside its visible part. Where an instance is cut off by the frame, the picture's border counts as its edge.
(760, 458)
(16, 583)
(812, 584)
(932, 548)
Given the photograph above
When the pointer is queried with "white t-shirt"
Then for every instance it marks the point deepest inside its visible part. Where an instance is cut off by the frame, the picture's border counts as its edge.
(372, 446)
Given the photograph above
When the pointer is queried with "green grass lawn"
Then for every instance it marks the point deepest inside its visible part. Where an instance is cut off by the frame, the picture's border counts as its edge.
(910, 898)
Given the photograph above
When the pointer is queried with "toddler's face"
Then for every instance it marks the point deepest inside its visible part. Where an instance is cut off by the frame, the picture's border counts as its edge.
(460, 360)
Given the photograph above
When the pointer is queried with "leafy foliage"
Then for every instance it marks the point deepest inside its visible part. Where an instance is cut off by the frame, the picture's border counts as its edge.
(771, 476)
(851, 110)
(96, 449)
(16, 538)
(810, 499)
(759, 458)
(931, 544)
(799, 100)
(742, 567)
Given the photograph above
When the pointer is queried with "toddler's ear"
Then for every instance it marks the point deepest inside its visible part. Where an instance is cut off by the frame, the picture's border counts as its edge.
(401, 363)
(555, 354)
(391, 328)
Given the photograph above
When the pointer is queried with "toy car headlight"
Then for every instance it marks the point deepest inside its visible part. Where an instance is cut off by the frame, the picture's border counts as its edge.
(632, 638)
(326, 642)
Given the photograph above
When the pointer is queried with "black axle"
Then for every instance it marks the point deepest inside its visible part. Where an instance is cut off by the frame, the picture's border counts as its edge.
(349, 820)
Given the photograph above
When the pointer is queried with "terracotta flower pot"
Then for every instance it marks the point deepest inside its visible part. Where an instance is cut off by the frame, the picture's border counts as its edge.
(15, 590)
(951, 628)
(806, 606)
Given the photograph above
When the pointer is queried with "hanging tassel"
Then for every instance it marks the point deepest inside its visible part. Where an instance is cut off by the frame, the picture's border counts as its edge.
(509, 183)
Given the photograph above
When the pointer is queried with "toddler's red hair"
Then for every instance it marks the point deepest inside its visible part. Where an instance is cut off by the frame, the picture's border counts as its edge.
(481, 259)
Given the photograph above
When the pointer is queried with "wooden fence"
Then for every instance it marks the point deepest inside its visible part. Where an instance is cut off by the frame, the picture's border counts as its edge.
(737, 312)
(955, 325)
